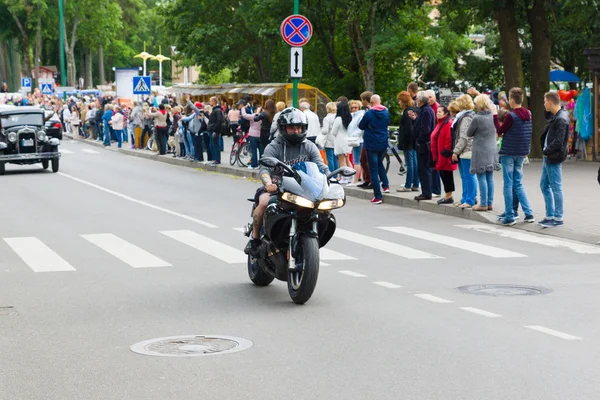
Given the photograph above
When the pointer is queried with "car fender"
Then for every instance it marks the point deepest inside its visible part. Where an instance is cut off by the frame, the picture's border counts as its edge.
(54, 142)
(3, 146)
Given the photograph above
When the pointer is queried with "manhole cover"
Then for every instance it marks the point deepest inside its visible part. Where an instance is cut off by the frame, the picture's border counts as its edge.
(191, 346)
(503, 290)
(8, 311)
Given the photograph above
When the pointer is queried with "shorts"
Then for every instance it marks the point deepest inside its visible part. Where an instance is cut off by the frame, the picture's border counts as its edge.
(262, 190)
(356, 153)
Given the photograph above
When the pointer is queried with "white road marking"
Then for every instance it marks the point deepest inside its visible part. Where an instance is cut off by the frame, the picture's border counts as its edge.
(322, 264)
(552, 332)
(209, 246)
(90, 151)
(353, 274)
(388, 285)
(324, 254)
(65, 151)
(383, 245)
(448, 240)
(481, 312)
(433, 299)
(125, 251)
(143, 203)
(331, 255)
(577, 247)
(38, 256)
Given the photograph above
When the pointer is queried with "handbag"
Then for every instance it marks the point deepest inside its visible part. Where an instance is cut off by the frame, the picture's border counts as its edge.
(353, 141)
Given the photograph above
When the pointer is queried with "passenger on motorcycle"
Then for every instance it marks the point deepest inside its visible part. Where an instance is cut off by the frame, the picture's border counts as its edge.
(290, 147)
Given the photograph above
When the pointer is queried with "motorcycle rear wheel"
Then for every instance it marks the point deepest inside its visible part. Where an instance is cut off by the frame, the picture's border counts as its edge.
(256, 274)
(301, 285)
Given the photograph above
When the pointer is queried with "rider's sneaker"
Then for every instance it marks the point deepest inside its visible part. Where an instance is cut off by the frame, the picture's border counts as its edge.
(252, 247)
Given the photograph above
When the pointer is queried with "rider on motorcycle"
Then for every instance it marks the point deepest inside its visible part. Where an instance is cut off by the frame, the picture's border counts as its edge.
(290, 147)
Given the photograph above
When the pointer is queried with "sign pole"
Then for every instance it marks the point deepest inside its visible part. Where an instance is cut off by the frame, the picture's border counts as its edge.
(63, 78)
(295, 80)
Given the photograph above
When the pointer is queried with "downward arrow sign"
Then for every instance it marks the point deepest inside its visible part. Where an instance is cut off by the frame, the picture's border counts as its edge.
(296, 55)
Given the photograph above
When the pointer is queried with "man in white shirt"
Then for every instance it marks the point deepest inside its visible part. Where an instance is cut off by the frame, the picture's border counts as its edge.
(314, 125)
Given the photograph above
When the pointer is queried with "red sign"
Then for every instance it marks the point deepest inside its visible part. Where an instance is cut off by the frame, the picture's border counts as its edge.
(296, 30)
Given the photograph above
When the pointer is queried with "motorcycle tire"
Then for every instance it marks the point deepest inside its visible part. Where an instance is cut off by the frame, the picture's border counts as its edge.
(256, 274)
(301, 285)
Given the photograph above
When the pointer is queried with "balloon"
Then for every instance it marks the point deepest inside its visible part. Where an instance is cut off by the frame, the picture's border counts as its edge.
(565, 95)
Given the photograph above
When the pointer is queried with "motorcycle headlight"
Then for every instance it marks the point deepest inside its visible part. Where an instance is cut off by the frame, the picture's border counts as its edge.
(12, 137)
(331, 204)
(297, 200)
(41, 135)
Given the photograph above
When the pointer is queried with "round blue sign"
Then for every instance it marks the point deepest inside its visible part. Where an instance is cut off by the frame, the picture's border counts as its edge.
(296, 30)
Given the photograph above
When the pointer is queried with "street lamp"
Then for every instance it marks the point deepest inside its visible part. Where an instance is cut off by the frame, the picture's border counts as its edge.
(160, 58)
(144, 56)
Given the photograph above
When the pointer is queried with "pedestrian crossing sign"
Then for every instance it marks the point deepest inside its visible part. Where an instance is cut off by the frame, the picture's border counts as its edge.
(141, 85)
(47, 88)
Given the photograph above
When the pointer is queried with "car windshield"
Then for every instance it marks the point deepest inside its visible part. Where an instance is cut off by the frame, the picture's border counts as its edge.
(22, 119)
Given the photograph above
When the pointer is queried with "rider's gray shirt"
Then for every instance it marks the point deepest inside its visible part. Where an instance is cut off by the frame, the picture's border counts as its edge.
(290, 155)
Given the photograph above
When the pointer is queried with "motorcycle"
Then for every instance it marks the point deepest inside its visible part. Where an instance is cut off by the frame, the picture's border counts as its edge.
(297, 222)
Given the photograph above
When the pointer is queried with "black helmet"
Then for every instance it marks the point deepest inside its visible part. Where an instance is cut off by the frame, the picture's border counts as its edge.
(292, 117)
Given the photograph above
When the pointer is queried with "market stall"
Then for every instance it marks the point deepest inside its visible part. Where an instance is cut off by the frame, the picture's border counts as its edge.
(594, 66)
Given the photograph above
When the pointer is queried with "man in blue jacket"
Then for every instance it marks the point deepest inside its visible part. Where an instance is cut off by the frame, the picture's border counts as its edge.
(424, 125)
(375, 125)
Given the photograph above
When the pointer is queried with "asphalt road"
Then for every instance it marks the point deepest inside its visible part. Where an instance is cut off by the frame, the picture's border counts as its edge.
(115, 250)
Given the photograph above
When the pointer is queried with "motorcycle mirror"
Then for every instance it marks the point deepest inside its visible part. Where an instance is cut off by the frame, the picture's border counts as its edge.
(345, 171)
(269, 162)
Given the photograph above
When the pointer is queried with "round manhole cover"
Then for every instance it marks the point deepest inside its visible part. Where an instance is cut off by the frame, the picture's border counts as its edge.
(503, 290)
(8, 311)
(191, 346)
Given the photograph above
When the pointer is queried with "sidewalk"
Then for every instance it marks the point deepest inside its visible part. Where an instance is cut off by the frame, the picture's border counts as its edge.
(581, 190)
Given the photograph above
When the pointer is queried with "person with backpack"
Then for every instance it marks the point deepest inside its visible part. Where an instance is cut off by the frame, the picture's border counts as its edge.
(215, 124)
(441, 153)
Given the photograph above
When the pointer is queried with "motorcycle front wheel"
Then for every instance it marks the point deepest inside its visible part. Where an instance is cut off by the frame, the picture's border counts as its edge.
(256, 273)
(302, 283)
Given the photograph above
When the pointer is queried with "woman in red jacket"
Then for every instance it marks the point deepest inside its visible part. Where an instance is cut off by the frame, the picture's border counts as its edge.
(441, 152)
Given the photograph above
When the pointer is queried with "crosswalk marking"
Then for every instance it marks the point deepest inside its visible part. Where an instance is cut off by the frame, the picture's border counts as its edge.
(331, 255)
(447, 240)
(324, 254)
(209, 246)
(388, 247)
(65, 151)
(90, 151)
(577, 247)
(125, 251)
(38, 256)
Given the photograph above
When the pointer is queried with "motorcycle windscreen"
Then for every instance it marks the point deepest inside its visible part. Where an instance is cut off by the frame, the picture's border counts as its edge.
(314, 182)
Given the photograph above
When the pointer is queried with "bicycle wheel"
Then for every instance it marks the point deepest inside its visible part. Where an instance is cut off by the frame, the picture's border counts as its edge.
(233, 155)
(386, 162)
(244, 155)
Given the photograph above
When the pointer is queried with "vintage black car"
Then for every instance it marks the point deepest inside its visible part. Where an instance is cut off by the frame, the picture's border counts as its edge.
(24, 140)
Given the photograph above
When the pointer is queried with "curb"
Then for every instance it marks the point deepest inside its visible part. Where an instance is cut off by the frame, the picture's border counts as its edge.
(389, 199)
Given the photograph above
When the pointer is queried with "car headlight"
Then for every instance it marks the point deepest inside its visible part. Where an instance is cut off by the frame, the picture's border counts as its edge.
(298, 200)
(331, 204)
(12, 137)
(41, 135)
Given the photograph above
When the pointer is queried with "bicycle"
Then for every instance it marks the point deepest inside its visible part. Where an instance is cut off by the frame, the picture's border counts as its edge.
(393, 149)
(240, 150)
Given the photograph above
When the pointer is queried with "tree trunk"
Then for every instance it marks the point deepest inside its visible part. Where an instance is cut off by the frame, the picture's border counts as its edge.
(511, 50)
(38, 50)
(101, 65)
(364, 52)
(26, 61)
(70, 54)
(82, 69)
(4, 63)
(88, 69)
(541, 41)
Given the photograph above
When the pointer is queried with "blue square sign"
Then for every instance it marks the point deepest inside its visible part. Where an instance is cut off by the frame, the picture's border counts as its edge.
(141, 85)
(26, 82)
